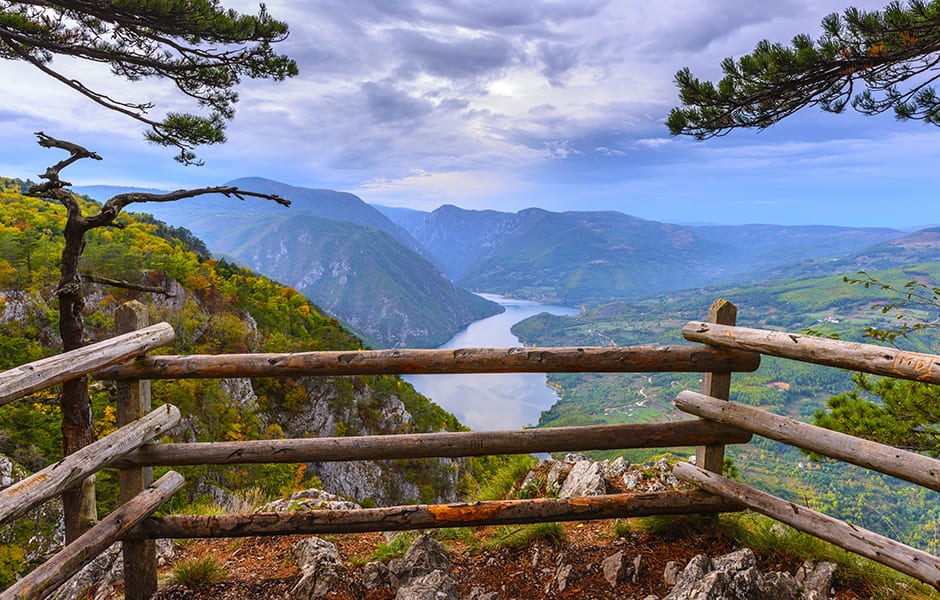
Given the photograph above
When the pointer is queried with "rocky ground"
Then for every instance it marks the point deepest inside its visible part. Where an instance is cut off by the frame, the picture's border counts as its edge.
(265, 568)
(677, 558)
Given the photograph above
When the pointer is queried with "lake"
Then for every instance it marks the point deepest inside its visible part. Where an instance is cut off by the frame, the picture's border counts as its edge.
(493, 401)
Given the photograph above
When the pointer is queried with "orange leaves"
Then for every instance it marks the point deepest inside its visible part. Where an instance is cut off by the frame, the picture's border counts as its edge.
(908, 38)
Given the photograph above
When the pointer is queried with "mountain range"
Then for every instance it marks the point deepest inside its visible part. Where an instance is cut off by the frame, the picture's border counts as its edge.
(399, 277)
(586, 258)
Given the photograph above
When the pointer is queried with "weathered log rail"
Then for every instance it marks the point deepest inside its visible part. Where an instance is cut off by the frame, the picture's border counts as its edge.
(899, 557)
(728, 349)
(56, 571)
(913, 467)
(633, 359)
(399, 518)
(27, 379)
(868, 358)
(436, 445)
(51, 481)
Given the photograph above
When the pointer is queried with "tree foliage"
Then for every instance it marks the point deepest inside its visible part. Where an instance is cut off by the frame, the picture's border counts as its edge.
(201, 47)
(910, 296)
(904, 414)
(874, 61)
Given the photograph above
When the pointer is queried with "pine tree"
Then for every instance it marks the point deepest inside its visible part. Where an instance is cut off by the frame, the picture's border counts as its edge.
(873, 61)
(904, 414)
(200, 46)
(205, 50)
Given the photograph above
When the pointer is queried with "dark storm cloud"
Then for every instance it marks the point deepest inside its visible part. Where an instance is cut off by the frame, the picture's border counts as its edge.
(388, 105)
(500, 14)
(455, 58)
(557, 59)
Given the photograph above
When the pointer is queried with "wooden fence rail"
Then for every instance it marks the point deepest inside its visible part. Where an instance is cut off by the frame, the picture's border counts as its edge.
(47, 372)
(886, 551)
(632, 359)
(54, 572)
(877, 360)
(18, 498)
(729, 349)
(889, 460)
(397, 518)
(428, 445)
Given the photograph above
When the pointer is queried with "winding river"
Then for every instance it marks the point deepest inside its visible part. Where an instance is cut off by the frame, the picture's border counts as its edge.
(493, 401)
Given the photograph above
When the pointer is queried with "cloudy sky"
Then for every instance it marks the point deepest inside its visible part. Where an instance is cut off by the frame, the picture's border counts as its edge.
(504, 105)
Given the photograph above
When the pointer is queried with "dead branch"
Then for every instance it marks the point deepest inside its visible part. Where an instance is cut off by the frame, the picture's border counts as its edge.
(120, 283)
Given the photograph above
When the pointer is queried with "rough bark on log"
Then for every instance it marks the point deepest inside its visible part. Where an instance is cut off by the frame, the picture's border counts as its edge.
(26, 379)
(889, 460)
(716, 384)
(428, 445)
(464, 360)
(868, 358)
(886, 551)
(47, 577)
(133, 402)
(398, 518)
(42, 485)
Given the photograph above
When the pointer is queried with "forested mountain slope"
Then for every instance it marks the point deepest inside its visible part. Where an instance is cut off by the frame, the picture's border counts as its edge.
(214, 307)
(338, 251)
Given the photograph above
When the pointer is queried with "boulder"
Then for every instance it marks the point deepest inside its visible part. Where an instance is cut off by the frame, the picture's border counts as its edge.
(319, 562)
(436, 585)
(478, 593)
(816, 579)
(671, 572)
(424, 556)
(312, 499)
(586, 478)
(734, 576)
(617, 568)
(374, 575)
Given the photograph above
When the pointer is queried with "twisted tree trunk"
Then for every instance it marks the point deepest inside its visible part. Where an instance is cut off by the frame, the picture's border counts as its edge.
(77, 422)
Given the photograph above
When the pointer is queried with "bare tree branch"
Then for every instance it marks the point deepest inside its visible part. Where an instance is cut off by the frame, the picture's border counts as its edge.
(127, 285)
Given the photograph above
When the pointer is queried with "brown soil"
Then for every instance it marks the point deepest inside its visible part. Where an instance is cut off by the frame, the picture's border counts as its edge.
(264, 569)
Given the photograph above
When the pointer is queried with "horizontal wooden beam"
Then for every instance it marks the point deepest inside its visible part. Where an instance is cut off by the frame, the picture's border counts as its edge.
(868, 358)
(448, 444)
(54, 572)
(464, 360)
(886, 551)
(29, 378)
(910, 466)
(51, 481)
(399, 518)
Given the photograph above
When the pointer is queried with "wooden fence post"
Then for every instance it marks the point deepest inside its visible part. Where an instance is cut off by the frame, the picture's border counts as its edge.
(45, 578)
(716, 385)
(133, 402)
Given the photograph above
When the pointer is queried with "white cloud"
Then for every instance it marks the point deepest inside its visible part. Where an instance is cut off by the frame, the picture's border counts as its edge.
(446, 98)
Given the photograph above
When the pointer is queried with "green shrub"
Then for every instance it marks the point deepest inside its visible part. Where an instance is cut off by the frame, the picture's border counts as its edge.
(198, 574)
(396, 547)
(502, 475)
(520, 537)
(11, 563)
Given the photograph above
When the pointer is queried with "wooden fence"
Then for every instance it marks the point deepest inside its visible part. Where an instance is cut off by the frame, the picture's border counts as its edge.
(726, 349)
